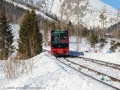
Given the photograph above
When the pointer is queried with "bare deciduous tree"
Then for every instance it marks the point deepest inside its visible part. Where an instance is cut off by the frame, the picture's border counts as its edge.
(103, 18)
(80, 12)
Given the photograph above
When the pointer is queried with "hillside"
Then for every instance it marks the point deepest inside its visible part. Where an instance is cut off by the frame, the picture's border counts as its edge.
(14, 11)
(90, 11)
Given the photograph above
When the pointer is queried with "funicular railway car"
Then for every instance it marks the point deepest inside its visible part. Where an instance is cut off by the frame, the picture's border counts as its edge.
(59, 42)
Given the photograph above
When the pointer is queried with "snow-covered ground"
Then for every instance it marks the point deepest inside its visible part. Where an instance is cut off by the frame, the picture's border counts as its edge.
(103, 54)
(49, 74)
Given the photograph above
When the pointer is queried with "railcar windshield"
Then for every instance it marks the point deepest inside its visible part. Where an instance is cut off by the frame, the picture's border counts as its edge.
(59, 38)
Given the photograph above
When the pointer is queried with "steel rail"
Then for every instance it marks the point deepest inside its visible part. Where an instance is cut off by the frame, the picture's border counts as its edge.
(112, 65)
(91, 76)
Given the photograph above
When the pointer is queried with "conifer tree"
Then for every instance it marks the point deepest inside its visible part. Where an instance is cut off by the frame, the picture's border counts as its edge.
(23, 43)
(35, 37)
(6, 36)
(45, 32)
(102, 42)
(92, 40)
(30, 38)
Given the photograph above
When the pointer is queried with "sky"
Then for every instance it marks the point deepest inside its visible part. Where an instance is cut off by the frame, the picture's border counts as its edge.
(113, 3)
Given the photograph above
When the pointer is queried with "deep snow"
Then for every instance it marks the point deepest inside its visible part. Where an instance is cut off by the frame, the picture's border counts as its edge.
(49, 74)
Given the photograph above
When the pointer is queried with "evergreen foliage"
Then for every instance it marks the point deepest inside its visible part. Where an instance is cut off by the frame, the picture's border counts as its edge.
(13, 12)
(46, 25)
(6, 36)
(114, 45)
(102, 42)
(36, 37)
(30, 39)
(92, 40)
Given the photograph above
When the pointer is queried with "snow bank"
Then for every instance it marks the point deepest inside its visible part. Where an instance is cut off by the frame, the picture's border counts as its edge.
(48, 74)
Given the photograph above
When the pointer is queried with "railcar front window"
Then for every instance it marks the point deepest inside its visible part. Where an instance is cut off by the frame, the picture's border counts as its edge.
(63, 38)
(55, 38)
(60, 39)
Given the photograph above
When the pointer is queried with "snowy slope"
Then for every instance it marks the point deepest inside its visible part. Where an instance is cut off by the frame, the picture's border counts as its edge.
(27, 8)
(98, 5)
(92, 15)
(54, 5)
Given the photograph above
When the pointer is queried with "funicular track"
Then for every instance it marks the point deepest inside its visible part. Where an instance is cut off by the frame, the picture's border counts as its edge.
(110, 67)
(107, 64)
(91, 70)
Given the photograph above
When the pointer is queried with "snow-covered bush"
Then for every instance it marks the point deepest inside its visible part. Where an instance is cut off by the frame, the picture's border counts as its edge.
(14, 68)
